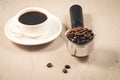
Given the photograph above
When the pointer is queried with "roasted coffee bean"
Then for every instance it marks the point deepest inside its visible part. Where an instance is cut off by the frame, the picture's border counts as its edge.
(87, 40)
(80, 35)
(82, 38)
(92, 34)
(89, 30)
(80, 31)
(86, 29)
(49, 65)
(91, 37)
(88, 35)
(67, 66)
(72, 32)
(73, 40)
(76, 33)
(71, 36)
(83, 42)
(85, 35)
(74, 37)
(65, 70)
(85, 32)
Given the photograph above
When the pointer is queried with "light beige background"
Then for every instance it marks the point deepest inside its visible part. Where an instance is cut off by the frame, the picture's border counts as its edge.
(29, 62)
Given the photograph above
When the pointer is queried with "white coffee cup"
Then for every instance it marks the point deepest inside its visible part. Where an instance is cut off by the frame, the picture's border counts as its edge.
(30, 30)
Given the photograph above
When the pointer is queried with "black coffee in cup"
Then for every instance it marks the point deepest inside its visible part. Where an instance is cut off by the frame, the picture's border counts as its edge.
(32, 18)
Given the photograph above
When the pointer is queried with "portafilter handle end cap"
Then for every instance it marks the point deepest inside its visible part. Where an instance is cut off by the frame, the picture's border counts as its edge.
(76, 16)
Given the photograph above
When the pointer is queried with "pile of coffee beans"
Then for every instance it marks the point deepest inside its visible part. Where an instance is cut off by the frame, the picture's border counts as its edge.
(80, 35)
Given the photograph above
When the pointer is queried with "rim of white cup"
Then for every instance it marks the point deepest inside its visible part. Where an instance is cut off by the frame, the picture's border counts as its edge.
(30, 9)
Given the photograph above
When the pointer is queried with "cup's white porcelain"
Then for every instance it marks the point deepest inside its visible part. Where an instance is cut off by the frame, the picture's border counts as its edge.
(31, 30)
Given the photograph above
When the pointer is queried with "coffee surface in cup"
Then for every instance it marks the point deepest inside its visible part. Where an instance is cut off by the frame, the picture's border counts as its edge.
(32, 18)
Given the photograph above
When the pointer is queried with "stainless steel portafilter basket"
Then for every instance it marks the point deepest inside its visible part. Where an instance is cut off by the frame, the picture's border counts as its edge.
(74, 49)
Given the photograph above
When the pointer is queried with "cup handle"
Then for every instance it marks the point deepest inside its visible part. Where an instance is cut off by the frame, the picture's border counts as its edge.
(14, 30)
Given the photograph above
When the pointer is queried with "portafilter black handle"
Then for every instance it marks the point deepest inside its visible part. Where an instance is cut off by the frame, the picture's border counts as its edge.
(76, 16)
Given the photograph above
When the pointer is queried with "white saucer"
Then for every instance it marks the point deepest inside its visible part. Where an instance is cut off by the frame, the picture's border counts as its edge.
(52, 32)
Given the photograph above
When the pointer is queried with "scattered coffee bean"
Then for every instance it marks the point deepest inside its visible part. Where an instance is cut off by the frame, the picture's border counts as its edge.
(67, 66)
(65, 70)
(49, 65)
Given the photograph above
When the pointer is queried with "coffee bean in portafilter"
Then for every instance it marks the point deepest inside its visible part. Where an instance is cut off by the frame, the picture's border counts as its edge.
(80, 35)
